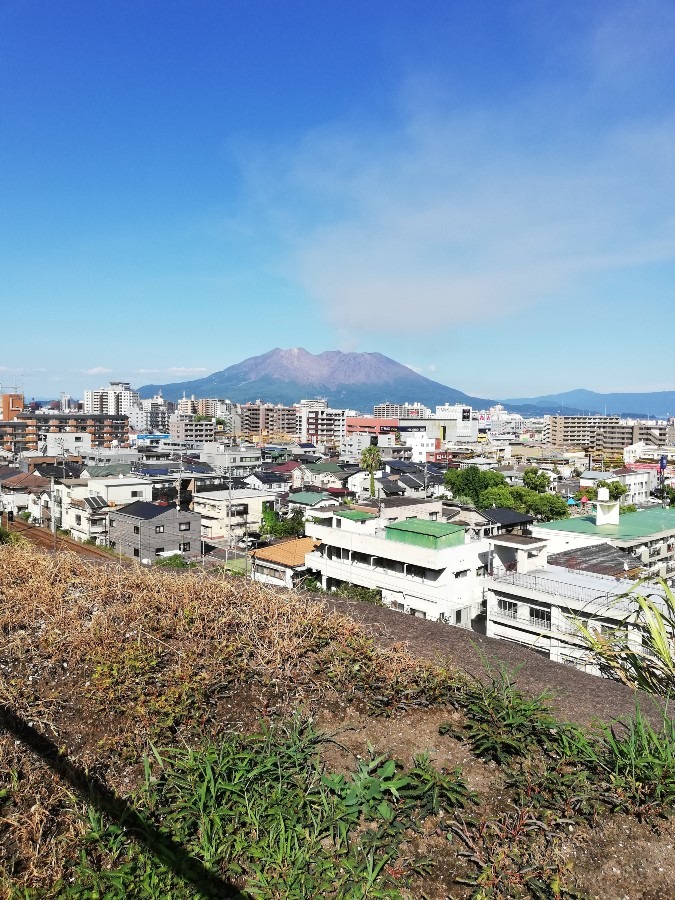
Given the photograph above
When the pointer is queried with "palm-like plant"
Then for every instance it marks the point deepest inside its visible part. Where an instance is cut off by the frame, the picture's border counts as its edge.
(371, 461)
(649, 666)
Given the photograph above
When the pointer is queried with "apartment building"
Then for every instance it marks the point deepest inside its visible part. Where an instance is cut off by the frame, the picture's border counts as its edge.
(266, 419)
(10, 406)
(325, 427)
(541, 608)
(401, 410)
(646, 537)
(424, 566)
(117, 399)
(231, 515)
(27, 431)
(189, 428)
(236, 462)
(606, 434)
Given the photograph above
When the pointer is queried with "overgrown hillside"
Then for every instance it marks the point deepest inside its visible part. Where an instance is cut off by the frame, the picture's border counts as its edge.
(180, 735)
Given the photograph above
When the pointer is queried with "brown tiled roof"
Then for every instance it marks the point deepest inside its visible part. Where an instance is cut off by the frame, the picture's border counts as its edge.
(24, 482)
(288, 553)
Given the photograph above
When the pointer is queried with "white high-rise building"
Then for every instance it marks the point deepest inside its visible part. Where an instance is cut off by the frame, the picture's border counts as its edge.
(117, 399)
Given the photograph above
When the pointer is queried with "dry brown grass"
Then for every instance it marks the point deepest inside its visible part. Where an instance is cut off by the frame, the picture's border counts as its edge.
(103, 659)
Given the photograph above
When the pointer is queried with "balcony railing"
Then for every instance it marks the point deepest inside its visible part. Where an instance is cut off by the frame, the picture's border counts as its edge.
(562, 590)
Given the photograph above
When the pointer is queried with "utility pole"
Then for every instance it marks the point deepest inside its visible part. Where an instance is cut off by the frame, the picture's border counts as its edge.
(53, 504)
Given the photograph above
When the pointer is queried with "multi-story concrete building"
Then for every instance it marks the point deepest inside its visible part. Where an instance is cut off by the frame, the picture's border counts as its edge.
(646, 537)
(605, 434)
(423, 566)
(27, 431)
(325, 427)
(263, 420)
(541, 608)
(500, 422)
(150, 416)
(149, 531)
(188, 428)
(11, 405)
(231, 515)
(401, 410)
(117, 399)
(236, 462)
(370, 425)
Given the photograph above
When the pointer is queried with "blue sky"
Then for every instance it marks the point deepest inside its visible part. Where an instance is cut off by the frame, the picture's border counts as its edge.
(483, 191)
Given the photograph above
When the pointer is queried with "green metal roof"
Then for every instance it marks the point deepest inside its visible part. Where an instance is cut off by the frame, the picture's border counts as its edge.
(356, 515)
(332, 468)
(631, 527)
(425, 526)
(308, 498)
(110, 469)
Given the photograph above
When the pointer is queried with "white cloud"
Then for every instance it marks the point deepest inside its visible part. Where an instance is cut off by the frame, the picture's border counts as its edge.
(458, 216)
(97, 370)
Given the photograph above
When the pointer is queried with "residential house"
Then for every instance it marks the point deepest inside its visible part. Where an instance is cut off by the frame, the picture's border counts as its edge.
(232, 514)
(310, 500)
(267, 481)
(149, 531)
(283, 564)
(17, 490)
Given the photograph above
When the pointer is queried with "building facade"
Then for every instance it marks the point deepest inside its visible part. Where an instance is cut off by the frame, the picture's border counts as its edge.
(149, 531)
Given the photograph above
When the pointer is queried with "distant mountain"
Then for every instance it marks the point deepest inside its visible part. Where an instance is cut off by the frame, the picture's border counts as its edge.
(352, 380)
(660, 404)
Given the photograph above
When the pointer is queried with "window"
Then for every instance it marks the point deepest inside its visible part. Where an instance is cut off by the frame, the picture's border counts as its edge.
(508, 608)
(112, 523)
(458, 617)
(463, 573)
(137, 529)
(183, 526)
(433, 517)
(159, 529)
(112, 545)
(137, 552)
(135, 493)
(541, 618)
(481, 571)
(159, 550)
(184, 548)
(78, 519)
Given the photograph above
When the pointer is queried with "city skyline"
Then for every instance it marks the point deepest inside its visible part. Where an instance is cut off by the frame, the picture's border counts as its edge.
(480, 193)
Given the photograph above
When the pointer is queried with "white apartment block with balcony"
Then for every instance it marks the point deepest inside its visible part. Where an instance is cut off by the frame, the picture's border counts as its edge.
(540, 609)
(425, 568)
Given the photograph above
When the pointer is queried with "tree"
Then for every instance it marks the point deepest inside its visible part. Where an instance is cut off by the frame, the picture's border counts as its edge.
(616, 489)
(472, 481)
(536, 480)
(496, 496)
(371, 461)
(274, 526)
(542, 506)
